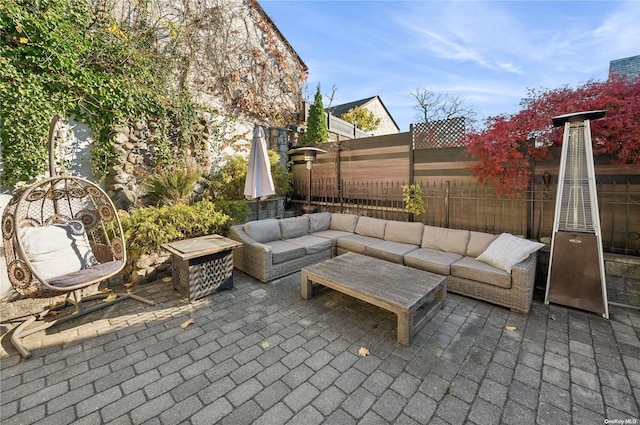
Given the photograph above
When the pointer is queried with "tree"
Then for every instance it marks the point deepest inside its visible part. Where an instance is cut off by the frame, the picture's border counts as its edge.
(432, 106)
(316, 123)
(506, 146)
(363, 118)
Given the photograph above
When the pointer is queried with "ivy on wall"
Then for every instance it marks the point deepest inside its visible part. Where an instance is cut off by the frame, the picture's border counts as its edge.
(72, 57)
(62, 56)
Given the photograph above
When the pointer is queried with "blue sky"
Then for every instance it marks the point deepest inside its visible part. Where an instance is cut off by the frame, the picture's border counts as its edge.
(489, 52)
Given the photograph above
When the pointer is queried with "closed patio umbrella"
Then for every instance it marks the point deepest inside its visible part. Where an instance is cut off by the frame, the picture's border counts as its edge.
(259, 184)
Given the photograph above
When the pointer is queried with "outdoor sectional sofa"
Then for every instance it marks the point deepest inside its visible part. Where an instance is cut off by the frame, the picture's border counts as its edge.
(498, 269)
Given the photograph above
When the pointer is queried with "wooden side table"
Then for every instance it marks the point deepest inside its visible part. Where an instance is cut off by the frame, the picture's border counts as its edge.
(202, 265)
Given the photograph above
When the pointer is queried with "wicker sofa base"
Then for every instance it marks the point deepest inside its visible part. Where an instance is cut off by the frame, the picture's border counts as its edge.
(517, 298)
(252, 259)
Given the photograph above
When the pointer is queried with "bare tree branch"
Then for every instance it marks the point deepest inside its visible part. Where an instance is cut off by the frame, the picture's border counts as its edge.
(432, 106)
(330, 97)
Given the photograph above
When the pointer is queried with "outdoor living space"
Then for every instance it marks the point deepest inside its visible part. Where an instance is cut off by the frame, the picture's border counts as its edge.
(262, 354)
(190, 235)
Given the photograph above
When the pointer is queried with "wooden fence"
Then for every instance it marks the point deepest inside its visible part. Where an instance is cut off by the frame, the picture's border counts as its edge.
(365, 176)
(474, 206)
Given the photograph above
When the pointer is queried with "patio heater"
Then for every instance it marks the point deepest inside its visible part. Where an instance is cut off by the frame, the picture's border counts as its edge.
(576, 266)
(310, 154)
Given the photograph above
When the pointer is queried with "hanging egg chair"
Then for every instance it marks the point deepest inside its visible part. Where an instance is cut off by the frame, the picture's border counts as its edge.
(62, 234)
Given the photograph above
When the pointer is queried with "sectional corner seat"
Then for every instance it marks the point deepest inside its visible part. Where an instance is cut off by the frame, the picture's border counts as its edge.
(472, 261)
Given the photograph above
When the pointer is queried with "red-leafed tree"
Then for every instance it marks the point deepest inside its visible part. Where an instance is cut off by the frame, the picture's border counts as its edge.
(508, 144)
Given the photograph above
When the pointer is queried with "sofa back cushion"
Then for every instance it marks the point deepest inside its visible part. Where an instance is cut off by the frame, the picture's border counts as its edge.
(368, 226)
(264, 230)
(294, 227)
(478, 243)
(447, 240)
(344, 222)
(400, 231)
(319, 222)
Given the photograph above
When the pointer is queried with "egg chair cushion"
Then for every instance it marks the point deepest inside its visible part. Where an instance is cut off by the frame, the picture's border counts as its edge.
(92, 274)
(58, 249)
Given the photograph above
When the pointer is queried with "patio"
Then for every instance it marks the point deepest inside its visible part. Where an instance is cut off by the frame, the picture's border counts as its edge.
(260, 354)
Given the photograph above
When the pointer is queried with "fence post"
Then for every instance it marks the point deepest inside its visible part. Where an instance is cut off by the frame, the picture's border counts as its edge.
(411, 163)
(530, 197)
(339, 171)
(447, 194)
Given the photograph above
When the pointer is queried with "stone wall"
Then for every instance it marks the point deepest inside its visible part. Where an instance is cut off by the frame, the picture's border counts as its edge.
(133, 147)
(269, 208)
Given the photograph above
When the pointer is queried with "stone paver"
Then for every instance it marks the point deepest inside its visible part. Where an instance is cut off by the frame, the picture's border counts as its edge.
(260, 354)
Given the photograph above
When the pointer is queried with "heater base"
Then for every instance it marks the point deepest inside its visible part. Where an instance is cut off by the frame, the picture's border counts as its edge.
(574, 276)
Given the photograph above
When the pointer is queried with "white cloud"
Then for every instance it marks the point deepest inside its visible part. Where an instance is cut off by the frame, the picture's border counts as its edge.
(510, 67)
(619, 33)
(480, 33)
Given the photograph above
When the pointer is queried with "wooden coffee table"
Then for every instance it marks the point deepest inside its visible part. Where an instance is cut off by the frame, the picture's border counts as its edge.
(414, 295)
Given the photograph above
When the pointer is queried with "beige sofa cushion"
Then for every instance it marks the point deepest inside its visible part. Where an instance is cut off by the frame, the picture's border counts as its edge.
(282, 251)
(357, 243)
(319, 221)
(368, 226)
(390, 251)
(264, 230)
(294, 227)
(432, 260)
(470, 268)
(312, 244)
(344, 222)
(447, 240)
(478, 243)
(398, 231)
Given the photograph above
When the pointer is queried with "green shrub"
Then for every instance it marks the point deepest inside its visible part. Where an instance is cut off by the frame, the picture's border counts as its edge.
(282, 178)
(172, 186)
(147, 228)
(239, 211)
(228, 182)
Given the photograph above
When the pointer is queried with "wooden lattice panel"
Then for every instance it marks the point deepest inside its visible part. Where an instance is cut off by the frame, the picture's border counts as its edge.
(439, 134)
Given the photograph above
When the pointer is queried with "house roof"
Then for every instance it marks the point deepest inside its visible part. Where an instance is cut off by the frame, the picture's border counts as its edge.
(280, 35)
(340, 110)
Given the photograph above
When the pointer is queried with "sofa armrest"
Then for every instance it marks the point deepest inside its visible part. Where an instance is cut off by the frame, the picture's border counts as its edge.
(252, 257)
(523, 276)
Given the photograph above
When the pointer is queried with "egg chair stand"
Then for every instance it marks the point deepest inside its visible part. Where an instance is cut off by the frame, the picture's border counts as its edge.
(61, 235)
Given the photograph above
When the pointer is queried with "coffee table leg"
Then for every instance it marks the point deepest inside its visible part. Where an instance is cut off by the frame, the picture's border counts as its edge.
(404, 328)
(306, 288)
(443, 294)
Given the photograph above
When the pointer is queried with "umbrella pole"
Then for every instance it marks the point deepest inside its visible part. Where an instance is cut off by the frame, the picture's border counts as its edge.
(257, 208)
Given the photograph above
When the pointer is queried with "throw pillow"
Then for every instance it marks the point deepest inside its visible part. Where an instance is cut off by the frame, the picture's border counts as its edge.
(58, 249)
(507, 251)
